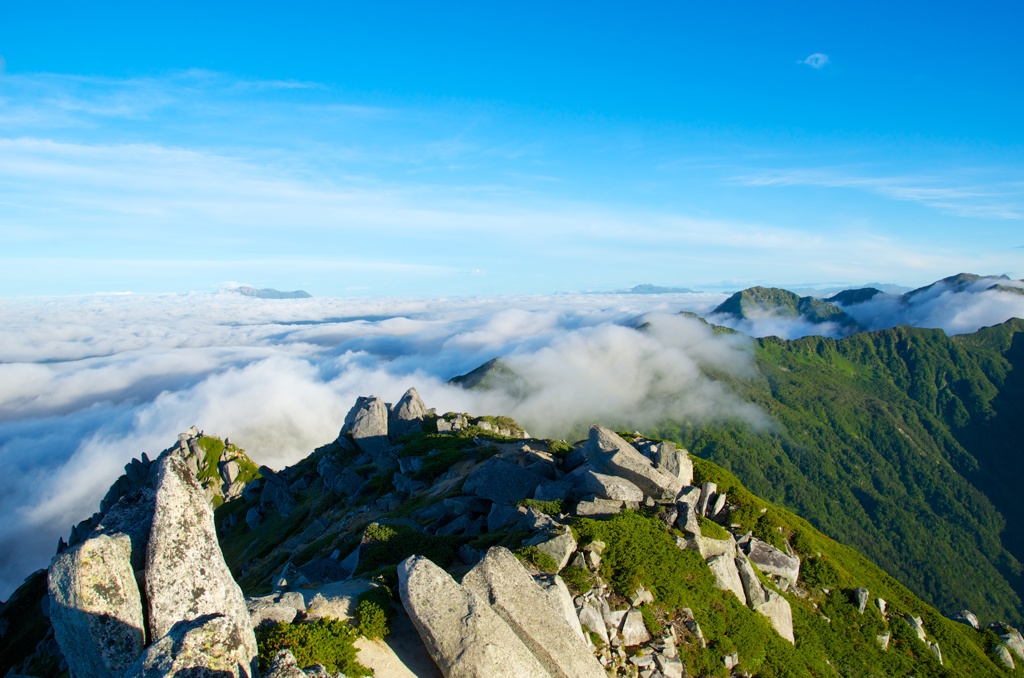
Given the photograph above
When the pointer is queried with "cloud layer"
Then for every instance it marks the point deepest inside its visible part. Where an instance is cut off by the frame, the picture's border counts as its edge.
(86, 383)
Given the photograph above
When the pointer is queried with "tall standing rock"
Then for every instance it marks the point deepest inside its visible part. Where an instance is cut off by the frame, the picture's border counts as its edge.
(367, 422)
(675, 460)
(407, 415)
(95, 606)
(612, 455)
(186, 576)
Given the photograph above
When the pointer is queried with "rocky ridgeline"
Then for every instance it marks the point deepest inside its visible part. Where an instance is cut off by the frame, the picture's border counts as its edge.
(142, 587)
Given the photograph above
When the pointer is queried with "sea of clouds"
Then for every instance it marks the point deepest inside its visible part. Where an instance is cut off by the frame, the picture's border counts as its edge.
(87, 383)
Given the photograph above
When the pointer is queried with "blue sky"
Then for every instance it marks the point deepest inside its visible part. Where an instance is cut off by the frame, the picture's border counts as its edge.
(459, 149)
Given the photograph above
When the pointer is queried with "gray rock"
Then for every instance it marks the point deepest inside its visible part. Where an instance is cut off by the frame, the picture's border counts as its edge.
(553, 491)
(229, 471)
(131, 515)
(861, 597)
(708, 547)
(640, 596)
(504, 516)
(777, 610)
(277, 607)
(731, 661)
(466, 505)
(670, 667)
(277, 497)
(210, 646)
(675, 460)
(283, 665)
(95, 606)
(502, 482)
(503, 582)
(560, 599)
(598, 508)
(407, 416)
(591, 619)
(707, 492)
(934, 647)
(719, 504)
(367, 423)
(883, 640)
(560, 548)
(880, 602)
(686, 518)
(633, 630)
(586, 481)
(727, 577)
(967, 617)
(337, 599)
(1013, 640)
(612, 455)
(1002, 656)
(752, 587)
(917, 625)
(461, 631)
(253, 518)
(772, 561)
(689, 494)
(186, 576)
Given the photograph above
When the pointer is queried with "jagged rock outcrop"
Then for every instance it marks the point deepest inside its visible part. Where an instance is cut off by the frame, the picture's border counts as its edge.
(463, 634)
(521, 603)
(186, 576)
(612, 455)
(95, 606)
(407, 416)
(367, 423)
(211, 646)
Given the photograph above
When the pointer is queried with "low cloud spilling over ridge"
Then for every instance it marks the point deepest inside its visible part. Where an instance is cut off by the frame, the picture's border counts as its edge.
(944, 305)
(87, 383)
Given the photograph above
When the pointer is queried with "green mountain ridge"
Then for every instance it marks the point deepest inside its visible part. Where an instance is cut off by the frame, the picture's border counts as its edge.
(755, 301)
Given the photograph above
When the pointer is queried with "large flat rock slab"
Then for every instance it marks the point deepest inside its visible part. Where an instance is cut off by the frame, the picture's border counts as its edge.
(504, 583)
(461, 631)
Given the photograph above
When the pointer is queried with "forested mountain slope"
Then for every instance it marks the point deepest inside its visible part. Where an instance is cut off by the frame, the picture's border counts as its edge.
(904, 443)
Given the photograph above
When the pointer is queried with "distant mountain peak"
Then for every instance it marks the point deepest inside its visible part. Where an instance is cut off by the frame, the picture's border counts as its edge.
(647, 288)
(957, 283)
(270, 293)
(853, 297)
(776, 301)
